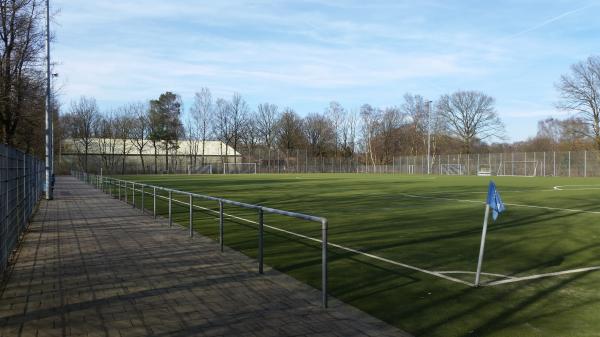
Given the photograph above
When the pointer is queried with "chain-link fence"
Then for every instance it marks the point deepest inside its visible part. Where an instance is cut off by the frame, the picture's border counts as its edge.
(565, 164)
(21, 186)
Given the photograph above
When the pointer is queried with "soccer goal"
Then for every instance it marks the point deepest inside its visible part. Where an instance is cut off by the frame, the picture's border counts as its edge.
(521, 168)
(484, 171)
(239, 168)
(206, 169)
(453, 169)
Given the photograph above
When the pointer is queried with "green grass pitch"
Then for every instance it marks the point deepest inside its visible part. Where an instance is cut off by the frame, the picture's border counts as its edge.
(433, 223)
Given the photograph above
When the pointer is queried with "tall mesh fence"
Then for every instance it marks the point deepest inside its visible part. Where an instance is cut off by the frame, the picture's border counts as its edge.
(550, 163)
(21, 186)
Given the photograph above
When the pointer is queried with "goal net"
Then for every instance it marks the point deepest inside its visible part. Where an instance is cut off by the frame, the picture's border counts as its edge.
(522, 168)
(206, 169)
(239, 168)
(453, 169)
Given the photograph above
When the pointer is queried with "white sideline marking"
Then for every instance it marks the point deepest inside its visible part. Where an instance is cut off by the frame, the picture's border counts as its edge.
(441, 274)
(472, 272)
(509, 204)
(533, 277)
(582, 187)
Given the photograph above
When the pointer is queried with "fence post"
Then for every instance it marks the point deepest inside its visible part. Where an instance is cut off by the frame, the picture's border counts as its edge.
(170, 209)
(324, 262)
(585, 163)
(133, 194)
(154, 202)
(24, 202)
(119, 188)
(569, 163)
(261, 240)
(126, 192)
(221, 229)
(544, 166)
(191, 216)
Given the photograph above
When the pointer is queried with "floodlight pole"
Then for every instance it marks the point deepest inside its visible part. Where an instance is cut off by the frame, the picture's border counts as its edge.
(48, 108)
(428, 105)
(482, 246)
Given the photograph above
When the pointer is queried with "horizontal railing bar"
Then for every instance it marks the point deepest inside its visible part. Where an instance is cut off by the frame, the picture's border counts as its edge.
(297, 215)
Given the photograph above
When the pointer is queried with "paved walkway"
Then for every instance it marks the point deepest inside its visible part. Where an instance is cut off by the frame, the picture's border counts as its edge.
(90, 265)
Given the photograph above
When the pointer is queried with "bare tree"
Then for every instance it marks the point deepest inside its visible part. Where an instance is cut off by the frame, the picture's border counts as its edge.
(106, 136)
(289, 127)
(391, 120)
(580, 93)
(369, 117)
(140, 129)
(337, 114)
(21, 52)
(222, 126)
(266, 120)
(470, 115)
(266, 123)
(250, 134)
(202, 112)
(124, 125)
(320, 134)
(85, 118)
(414, 108)
(348, 134)
(238, 111)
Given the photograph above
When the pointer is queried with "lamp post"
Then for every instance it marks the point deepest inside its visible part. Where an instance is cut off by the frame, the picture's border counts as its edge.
(428, 106)
(48, 108)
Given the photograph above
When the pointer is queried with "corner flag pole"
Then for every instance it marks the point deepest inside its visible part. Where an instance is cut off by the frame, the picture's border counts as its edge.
(482, 246)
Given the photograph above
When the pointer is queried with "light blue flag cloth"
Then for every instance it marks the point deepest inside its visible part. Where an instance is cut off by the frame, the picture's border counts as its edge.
(493, 199)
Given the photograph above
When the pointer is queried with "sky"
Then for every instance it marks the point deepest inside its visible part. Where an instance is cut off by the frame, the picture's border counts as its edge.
(304, 54)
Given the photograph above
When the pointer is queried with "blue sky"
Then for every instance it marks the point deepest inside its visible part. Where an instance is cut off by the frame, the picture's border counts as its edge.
(304, 54)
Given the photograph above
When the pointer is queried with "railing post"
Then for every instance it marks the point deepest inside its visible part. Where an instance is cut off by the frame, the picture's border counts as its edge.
(261, 240)
(324, 262)
(191, 216)
(154, 202)
(143, 199)
(126, 192)
(119, 188)
(221, 229)
(133, 194)
(170, 209)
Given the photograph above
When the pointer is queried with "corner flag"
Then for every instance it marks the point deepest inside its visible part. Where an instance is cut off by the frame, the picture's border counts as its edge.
(494, 200)
(495, 204)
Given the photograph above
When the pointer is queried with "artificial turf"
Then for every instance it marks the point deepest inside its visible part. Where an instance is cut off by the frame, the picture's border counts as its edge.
(432, 223)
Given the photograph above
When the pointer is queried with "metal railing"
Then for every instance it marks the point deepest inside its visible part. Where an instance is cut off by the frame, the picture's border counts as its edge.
(21, 187)
(119, 189)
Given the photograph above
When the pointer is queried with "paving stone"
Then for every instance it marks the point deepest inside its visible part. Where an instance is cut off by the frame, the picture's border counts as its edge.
(91, 265)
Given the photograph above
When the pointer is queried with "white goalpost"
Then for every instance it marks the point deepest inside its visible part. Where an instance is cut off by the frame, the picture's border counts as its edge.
(206, 169)
(519, 168)
(484, 171)
(239, 168)
(453, 169)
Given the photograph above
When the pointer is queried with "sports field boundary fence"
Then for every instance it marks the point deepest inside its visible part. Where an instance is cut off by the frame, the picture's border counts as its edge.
(549, 163)
(120, 189)
(21, 187)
